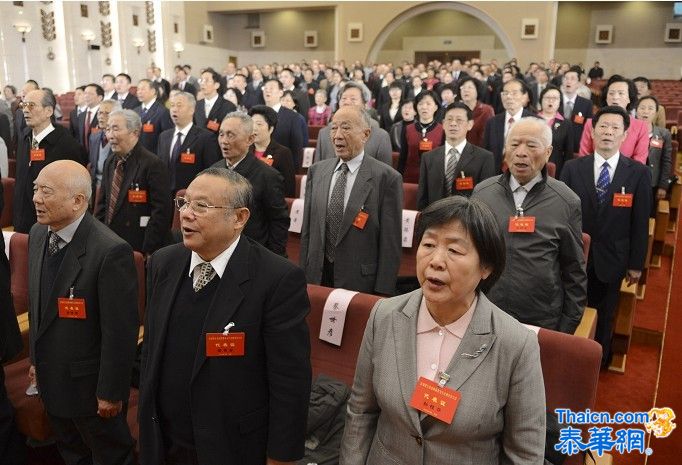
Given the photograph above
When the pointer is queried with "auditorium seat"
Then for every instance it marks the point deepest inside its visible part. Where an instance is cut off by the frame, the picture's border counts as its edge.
(410, 196)
(29, 410)
(551, 169)
(12, 167)
(8, 198)
(18, 262)
(313, 131)
(293, 240)
(298, 181)
(337, 361)
(395, 156)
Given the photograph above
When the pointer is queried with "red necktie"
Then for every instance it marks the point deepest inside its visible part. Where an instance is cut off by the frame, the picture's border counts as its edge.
(115, 189)
(86, 131)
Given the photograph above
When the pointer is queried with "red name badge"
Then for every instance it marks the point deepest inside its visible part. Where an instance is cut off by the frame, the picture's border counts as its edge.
(361, 220)
(149, 127)
(425, 145)
(135, 196)
(268, 160)
(622, 200)
(188, 158)
(94, 130)
(225, 345)
(522, 224)
(37, 154)
(212, 125)
(71, 308)
(656, 143)
(435, 400)
(578, 119)
(464, 184)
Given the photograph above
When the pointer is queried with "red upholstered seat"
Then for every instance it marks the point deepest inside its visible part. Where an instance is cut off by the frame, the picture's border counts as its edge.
(410, 196)
(313, 131)
(586, 246)
(8, 198)
(551, 169)
(30, 412)
(18, 262)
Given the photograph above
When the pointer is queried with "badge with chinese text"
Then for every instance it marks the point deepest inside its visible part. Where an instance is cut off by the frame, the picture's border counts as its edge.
(522, 224)
(622, 200)
(225, 345)
(71, 308)
(187, 157)
(435, 400)
(137, 196)
(361, 220)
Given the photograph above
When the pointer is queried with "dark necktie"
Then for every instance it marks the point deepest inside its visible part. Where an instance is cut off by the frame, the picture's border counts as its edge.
(568, 110)
(53, 244)
(175, 151)
(206, 274)
(335, 212)
(143, 114)
(115, 189)
(450, 170)
(603, 184)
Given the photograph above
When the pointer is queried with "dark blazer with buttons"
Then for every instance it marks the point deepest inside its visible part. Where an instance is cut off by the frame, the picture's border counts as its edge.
(282, 161)
(583, 107)
(58, 145)
(474, 162)
(220, 108)
(562, 144)
(288, 132)
(243, 408)
(269, 220)
(159, 117)
(129, 103)
(201, 142)
(145, 170)
(660, 160)
(94, 154)
(493, 137)
(78, 361)
(618, 235)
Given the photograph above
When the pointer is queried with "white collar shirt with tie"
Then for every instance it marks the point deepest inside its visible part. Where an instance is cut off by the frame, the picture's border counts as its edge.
(520, 192)
(184, 131)
(599, 162)
(93, 111)
(353, 168)
(219, 263)
(208, 104)
(507, 116)
(67, 232)
(43, 134)
(459, 147)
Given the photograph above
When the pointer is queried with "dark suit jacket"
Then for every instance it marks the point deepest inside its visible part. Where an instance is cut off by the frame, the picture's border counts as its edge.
(385, 116)
(253, 96)
(10, 338)
(368, 259)
(189, 88)
(130, 103)
(220, 108)
(619, 235)
(143, 169)
(269, 221)
(660, 160)
(301, 99)
(583, 106)
(95, 145)
(562, 144)
(288, 133)
(474, 161)
(201, 142)
(73, 123)
(58, 145)
(282, 161)
(78, 361)
(94, 128)
(243, 408)
(159, 117)
(493, 137)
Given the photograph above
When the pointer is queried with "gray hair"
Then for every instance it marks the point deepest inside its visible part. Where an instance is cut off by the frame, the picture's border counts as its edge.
(81, 184)
(242, 195)
(48, 99)
(133, 121)
(191, 100)
(115, 104)
(545, 130)
(247, 122)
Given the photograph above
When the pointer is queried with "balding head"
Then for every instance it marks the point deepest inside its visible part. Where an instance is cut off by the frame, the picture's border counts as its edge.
(61, 193)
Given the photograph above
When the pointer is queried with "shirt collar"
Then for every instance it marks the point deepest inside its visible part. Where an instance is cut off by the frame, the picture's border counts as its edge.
(459, 147)
(67, 232)
(613, 161)
(219, 263)
(149, 104)
(516, 116)
(514, 184)
(184, 130)
(238, 162)
(276, 107)
(44, 133)
(353, 164)
(211, 100)
(426, 323)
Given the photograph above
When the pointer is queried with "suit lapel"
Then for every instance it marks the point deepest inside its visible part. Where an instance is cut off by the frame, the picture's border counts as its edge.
(227, 299)
(68, 272)
(586, 174)
(466, 158)
(189, 138)
(215, 108)
(361, 189)
(132, 165)
(405, 339)
(620, 176)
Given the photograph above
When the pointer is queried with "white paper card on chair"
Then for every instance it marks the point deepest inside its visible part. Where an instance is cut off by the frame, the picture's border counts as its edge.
(304, 179)
(7, 235)
(296, 216)
(334, 315)
(409, 219)
(308, 154)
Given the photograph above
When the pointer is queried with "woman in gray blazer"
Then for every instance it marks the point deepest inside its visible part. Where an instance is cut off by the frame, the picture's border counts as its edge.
(448, 340)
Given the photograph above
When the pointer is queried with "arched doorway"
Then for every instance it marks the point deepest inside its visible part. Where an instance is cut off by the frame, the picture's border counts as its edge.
(381, 38)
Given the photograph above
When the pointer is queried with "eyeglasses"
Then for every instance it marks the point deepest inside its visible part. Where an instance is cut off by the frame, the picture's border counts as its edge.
(510, 93)
(198, 207)
(29, 105)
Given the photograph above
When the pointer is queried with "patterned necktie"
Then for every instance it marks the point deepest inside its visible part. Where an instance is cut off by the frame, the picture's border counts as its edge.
(568, 110)
(206, 274)
(34, 143)
(115, 189)
(86, 131)
(453, 153)
(335, 212)
(53, 244)
(510, 122)
(603, 184)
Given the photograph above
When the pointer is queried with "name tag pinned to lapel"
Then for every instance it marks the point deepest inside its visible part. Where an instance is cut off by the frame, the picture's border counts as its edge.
(137, 195)
(37, 155)
(622, 200)
(425, 145)
(212, 125)
(361, 219)
(148, 127)
(521, 224)
(225, 344)
(187, 157)
(464, 183)
(435, 400)
(268, 160)
(656, 142)
(71, 308)
(579, 118)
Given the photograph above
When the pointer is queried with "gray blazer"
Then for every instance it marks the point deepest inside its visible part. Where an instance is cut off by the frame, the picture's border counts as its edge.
(377, 146)
(660, 159)
(501, 415)
(367, 260)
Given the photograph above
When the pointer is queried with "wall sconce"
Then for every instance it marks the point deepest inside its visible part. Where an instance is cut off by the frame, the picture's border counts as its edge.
(178, 48)
(138, 43)
(88, 36)
(23, 29)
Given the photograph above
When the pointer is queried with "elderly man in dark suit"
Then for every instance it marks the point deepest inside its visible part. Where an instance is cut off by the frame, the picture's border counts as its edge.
(615, 192)
(269, 218)
(153, 113)
(186, 148)
(351, 236)
(544, 281)
(211, 110)
(496, 128)
(100, 149)
(456, 167)
(83, 320)
(135, 200)
(288, 131)
(201, 404)
(41, 143)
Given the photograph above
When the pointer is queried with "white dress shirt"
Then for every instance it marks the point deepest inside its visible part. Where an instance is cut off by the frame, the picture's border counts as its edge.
(219, 263)
(459, 147)
(353, 167)
(599, 162)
